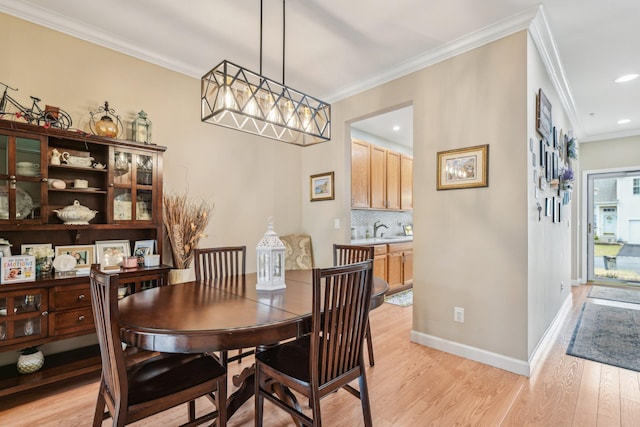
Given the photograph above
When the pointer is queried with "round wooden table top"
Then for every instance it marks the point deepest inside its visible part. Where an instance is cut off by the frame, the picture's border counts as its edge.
(225, 314)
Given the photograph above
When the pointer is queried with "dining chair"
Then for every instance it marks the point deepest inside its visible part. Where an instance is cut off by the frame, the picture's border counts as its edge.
(298, 252)
(131, 392)
(222, 263)
(330, 356)
(348, 254)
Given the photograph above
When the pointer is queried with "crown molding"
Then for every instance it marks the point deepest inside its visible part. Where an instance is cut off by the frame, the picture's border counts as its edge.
(546, 45)
(491, 33)
(82, 31)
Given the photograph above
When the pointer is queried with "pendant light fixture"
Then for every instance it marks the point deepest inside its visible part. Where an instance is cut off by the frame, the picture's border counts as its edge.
(237, 98)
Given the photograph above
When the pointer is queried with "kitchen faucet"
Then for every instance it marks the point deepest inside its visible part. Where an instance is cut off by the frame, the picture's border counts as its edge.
(376, 226)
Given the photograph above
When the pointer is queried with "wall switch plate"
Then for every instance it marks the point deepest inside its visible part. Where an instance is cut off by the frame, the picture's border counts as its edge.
(458, 314)
(336, 223)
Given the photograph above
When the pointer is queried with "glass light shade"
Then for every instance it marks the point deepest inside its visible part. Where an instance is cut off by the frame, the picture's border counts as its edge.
(270, 255)
(237, 98)
(141, 128)
(106, 127)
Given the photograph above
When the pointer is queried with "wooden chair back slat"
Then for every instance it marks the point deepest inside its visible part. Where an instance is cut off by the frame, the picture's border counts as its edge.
(349, 254)
(216, 263)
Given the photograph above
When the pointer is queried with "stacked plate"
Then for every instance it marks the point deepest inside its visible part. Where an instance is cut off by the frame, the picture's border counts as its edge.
(27, 169)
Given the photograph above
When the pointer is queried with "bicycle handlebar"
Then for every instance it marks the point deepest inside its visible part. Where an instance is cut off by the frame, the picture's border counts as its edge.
(9, 87)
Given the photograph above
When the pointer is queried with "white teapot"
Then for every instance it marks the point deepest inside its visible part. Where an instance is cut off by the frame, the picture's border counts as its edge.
(55, 157)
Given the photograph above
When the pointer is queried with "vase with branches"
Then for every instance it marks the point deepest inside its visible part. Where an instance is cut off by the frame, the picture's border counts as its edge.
(184, 222)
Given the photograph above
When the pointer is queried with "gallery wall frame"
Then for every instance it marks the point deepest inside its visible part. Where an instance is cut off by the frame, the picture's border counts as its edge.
(463, 168)
(321, 187)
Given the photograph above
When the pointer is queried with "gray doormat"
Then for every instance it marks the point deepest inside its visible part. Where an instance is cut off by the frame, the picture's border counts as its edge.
(404, 298)
(608, 335)
(615, 294)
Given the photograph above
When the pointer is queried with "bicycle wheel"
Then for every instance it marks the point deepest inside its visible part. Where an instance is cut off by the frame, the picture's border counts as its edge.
(61, 120)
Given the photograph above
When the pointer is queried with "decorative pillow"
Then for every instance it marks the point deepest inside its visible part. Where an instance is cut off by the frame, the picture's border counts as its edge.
(298, 252)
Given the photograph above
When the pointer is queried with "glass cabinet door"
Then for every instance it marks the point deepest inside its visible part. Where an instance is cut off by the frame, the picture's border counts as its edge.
(23, 315)
(133, 179)
(21, 178)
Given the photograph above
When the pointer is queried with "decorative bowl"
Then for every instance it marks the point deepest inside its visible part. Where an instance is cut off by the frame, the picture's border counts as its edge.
(76, 214)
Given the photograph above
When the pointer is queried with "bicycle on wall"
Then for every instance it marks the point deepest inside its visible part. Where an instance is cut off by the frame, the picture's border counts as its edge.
(49, 117)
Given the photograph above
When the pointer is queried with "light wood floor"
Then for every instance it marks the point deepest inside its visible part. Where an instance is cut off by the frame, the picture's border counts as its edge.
(412, 385)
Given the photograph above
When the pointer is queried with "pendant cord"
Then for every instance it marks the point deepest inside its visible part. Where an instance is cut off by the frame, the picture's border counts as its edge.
(283, 26)
(260, 37)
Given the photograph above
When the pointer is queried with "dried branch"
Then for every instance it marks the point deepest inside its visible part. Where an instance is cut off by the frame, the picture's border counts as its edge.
(184, 224)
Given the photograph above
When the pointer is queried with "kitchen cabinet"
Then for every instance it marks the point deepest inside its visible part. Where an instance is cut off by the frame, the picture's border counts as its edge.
(360, 174)
(406, 182)
(378, 180)
(394, 263)
(122, 181)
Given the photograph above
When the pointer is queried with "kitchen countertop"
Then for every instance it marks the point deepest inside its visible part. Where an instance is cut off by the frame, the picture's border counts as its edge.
(382, 240)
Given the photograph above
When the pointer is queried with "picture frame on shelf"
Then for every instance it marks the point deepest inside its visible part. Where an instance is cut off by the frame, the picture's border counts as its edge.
(142, 248)
(111, 253)
(463, 168)
(84, 255)
(17, 268)
(36, 248)
(321, 187)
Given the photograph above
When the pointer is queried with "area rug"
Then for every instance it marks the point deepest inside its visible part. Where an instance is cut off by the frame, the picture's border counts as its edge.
(404, 298)
(615, 294)
(608, 335)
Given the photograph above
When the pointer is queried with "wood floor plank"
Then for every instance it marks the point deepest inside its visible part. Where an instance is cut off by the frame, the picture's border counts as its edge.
(410, 385)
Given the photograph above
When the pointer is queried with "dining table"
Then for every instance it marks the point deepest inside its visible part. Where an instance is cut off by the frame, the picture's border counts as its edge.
(223, 314)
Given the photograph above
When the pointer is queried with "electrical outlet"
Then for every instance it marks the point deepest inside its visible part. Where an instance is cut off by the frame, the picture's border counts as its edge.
(561, 286)
(458, 314)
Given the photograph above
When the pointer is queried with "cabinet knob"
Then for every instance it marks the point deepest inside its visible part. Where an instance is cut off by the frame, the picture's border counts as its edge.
(111, 184)
(80, 318)
(44, 313)
(80, 297)
(45, 180)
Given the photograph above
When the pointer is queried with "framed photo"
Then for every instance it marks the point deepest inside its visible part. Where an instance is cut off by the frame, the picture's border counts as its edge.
(111, 253)
(543, 116)
(144, 247)
(37, 249)
(84, 254)
(17, 268)
(322, 187)
(548, 211)
(463, 168)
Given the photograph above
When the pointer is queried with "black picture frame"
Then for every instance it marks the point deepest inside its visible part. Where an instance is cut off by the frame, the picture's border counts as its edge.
(543, 116)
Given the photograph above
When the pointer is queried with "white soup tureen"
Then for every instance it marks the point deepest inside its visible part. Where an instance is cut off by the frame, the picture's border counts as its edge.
(76, 214)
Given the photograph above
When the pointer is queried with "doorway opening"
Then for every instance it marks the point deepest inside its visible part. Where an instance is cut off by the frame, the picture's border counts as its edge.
(613, 227)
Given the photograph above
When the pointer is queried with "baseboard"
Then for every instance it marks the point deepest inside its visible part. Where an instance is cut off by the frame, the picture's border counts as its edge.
(496, 360)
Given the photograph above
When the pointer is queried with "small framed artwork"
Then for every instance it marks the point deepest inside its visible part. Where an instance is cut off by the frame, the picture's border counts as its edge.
(543, 116)
(322, 187)
(408, 229)
(17, 268)
(548, 211)
(144, 247)
(463, 168)
(558, 211)
(83, 254)
(111, 253)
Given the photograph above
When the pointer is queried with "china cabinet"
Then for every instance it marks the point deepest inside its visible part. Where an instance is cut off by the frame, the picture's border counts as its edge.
(42, 172)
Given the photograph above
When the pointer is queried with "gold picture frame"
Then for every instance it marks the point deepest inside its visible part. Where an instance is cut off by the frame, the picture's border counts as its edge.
(463, 168)
(84, 254)
(322, 187)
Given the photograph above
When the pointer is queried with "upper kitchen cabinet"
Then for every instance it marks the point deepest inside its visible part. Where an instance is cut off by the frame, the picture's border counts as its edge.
(381, 179)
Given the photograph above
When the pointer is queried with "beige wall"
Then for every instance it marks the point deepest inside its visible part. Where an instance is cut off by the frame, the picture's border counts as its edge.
(248, 178)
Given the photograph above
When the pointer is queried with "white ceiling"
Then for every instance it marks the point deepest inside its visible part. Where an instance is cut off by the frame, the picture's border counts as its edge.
(335, 48)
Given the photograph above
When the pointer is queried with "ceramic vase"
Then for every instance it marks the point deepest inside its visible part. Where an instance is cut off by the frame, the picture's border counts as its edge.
(30, 363)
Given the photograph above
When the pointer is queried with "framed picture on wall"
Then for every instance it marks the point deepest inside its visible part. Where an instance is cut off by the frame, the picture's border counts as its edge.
(543, 116)
(322, 187)
(463, 168)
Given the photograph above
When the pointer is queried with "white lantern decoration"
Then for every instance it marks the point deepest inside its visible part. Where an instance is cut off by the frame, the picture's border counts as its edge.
(270, 252)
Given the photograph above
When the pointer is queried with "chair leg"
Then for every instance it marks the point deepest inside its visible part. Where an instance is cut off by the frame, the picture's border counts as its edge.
(314, 402)
(221, 403)
(98, 416)
(192, 410)
(369, 345)
(364, 399)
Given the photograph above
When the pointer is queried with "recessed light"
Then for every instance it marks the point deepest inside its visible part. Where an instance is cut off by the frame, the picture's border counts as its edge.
(626, 78)
(396, 128)
(623, 121)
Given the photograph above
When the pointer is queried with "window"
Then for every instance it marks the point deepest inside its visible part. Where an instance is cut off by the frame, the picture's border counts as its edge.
(636, 186)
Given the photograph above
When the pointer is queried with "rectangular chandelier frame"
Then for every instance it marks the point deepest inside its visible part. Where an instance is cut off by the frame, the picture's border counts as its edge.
(237, 98)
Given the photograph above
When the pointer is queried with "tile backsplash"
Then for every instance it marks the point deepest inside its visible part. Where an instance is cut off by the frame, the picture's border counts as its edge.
(361, 220)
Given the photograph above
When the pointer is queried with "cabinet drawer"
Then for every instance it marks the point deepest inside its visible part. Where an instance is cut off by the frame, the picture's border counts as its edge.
(379, 249)
(400, 247)
(67, 322)
(66, 297)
